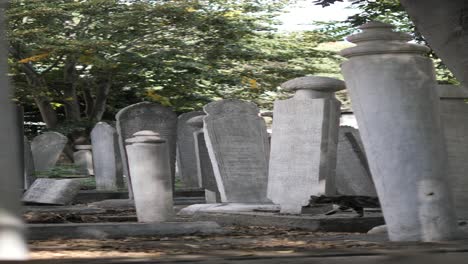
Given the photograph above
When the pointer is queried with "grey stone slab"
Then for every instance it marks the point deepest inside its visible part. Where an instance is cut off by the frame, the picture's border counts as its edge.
(230, 207)
(207, 175)
(352, 170)
(46, 149)
(107, 160)
(29, 170)
(52, 191)
(147, 116)
(120, 230)
(318, 223)
(186, 156)
(204, 168)
(83, 159)
(303, 143)
(237, 143)
(454, 118)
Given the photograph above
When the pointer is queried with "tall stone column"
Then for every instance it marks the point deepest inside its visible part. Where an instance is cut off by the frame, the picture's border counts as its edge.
(149, 165)
(12, 241)
(304, 142)
(392, 88)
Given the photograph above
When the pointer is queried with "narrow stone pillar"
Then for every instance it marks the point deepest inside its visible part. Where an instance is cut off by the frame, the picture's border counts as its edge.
(21, 161)
(304, 141)
(12, 241)
(204, 168)
(149, 165)
(83, 159)
(392, 88)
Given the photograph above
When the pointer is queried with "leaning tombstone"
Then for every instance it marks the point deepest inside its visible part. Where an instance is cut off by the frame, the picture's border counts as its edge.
(204, 168)
(186, 156)
(147, 116)
(454, 118)
(237, 143)
(149, 165)
(391, 84)
(106, 158)
(303, 143)
(52, 191)
(83, 159)
(29, 176)
(352, 170)
(46, 149)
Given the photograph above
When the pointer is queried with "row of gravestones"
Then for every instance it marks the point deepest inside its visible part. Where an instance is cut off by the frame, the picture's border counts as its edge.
(224, 149)
(236, 172)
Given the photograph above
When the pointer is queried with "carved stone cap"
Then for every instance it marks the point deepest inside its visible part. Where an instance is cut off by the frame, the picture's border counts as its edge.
(316, 83)
(379, 38)
(196, 121)
(145, 136)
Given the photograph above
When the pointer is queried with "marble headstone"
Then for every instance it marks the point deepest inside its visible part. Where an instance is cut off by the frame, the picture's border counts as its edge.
(52, 191)
(29, 176)
(304, 141)
(147, 116)
(186, 156)
(237, 143)
(204, 168)
(352, 171)
(106, 157)
(46, 149)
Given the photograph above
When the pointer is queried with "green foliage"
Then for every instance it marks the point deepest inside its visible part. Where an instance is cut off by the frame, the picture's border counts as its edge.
(182, 54)
(59, 171)
(388, 11)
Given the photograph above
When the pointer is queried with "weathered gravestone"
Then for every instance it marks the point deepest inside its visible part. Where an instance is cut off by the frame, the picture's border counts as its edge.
(149, 165)
(454, 118)
(186, 156)
(83, 159)
(29, 176)
(204, 168)
(52, 191)
(147, 116)
(46, 149)
(106, 157)
(237, 143)
(303, 143)
(352, 171)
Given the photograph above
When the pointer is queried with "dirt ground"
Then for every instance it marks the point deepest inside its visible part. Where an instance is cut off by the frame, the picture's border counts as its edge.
(240, 241)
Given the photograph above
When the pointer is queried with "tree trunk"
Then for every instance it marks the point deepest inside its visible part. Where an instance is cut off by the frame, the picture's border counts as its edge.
(102, 92)
(72, 106)
(48, 114)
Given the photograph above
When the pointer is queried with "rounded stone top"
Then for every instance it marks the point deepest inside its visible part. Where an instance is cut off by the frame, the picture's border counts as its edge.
(317, 83)
(145, 136)
(83, 147)
(379, 38)
(196, 121)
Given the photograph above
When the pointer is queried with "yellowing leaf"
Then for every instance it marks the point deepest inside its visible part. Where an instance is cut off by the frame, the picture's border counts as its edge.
(191, 10)
(35, 58)
(158, 98)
